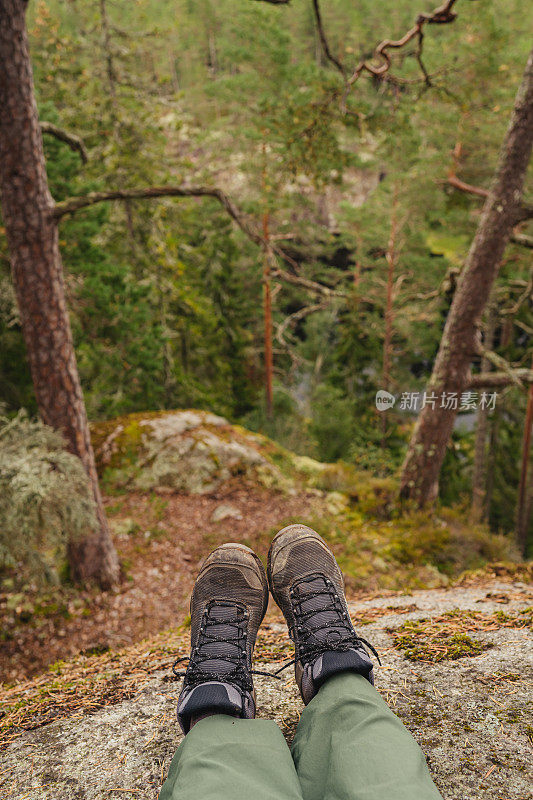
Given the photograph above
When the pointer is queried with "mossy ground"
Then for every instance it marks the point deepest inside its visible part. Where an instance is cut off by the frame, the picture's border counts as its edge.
(475, 711)
(412, 550)
(447, 636)
(95, 680)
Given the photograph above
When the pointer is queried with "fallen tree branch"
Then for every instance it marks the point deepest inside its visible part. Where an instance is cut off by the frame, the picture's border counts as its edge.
(73, 141)
(495, 380)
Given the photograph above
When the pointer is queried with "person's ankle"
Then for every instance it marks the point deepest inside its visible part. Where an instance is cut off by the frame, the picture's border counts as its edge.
(331, 663)
(212, 712)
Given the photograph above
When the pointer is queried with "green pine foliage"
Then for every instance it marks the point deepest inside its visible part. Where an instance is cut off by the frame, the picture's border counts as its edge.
(165, 295)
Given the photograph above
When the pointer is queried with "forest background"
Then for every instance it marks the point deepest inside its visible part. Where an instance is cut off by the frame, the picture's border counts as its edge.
(166, 295)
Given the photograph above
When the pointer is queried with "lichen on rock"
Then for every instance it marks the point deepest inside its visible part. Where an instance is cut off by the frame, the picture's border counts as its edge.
(187, 451)
(469, 714)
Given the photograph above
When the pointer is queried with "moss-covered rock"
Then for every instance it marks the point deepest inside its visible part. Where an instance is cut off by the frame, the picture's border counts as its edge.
(186, 451)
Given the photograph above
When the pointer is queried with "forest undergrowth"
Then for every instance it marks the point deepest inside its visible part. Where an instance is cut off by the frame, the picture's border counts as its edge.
(163, 534)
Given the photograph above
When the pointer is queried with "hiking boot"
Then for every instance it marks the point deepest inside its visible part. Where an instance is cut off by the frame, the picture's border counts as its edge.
(228, 603)
(307, 584)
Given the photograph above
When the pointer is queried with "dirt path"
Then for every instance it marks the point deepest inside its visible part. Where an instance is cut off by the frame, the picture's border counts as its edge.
(161, 539)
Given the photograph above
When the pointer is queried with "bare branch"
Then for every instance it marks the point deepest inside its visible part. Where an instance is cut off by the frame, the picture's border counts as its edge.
(496, 380)
(296, 358)
(74, 204)
(522, 325)
(298, 280)
(522, 239)
(73, 141)
(524, 213)
(500, 363)
(324, 42)
(418, 56)
(441, 15)
(457, 183)
(296, 317)
(527, 294)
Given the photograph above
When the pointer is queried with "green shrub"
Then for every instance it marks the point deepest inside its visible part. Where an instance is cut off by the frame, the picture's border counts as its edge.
(45, 499)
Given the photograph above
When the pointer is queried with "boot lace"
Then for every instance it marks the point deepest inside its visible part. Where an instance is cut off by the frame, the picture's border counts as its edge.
(309, 623)
(239, 674)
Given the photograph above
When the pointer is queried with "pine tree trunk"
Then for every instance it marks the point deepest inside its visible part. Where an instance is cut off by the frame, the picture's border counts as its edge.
(27, 209)
(391, 258)
(425, 454)
(479, 478)
(523, 518)
(267, 313)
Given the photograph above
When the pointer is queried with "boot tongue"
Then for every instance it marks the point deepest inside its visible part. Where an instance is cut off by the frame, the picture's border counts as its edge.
(224, 653)
(331, 625)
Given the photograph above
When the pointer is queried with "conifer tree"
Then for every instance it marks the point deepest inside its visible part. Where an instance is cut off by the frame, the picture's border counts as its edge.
(27, 208)
(460, 342)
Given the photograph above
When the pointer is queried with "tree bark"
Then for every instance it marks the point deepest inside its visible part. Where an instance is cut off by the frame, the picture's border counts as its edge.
(479, 478)
(451, 372)
(28, 213)
(523, 517)
(267, 313)
(391, 258)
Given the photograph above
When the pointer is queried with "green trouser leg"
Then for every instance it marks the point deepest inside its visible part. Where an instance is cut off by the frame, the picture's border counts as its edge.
(223, 758)
(349, 745)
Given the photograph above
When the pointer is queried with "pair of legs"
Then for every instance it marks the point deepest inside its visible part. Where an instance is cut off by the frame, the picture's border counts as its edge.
(348, 745)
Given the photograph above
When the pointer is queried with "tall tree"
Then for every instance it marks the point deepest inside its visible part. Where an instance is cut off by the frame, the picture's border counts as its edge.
(451, 372)
(391, 257)
(27, 209)
(479, 477)
(524, 499)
